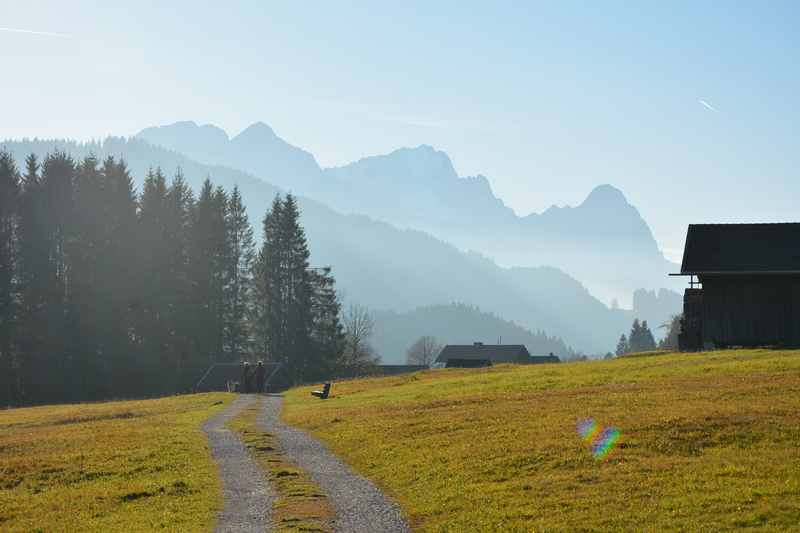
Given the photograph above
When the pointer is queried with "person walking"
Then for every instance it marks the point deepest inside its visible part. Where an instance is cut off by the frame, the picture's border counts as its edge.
(245, 377)
(260, 371)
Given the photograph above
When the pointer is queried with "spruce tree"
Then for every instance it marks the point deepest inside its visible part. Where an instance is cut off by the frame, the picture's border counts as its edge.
(9, 197)
(298, 291)
(183, 363)
(328, 337)
(152, 307)
(58, 180)
(201, 262)
(220, 254)
(208, 258)
(239, 289)
(32, 273)
(86, 308)
(269, 277)
(622, 346)
(648, 341)
(284, 289)
(635, 338)
(118, 278)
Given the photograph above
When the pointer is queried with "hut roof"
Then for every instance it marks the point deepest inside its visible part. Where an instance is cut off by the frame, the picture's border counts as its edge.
(496, 353)
(742, 249)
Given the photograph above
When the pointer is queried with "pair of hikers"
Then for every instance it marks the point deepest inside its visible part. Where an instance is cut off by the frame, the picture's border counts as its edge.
(250, 374)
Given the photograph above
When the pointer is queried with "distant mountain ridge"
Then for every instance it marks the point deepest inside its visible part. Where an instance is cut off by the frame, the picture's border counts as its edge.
(256, 150)
(603, 241)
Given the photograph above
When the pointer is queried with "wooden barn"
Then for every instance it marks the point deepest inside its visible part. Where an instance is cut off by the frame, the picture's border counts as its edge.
(479, 355)
(744, 286)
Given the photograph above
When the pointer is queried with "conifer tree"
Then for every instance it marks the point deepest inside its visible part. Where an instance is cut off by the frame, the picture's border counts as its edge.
(269, 279)
(181, 361)
(328, 336)
(31, 277)
(622, 346)
(9, 197)
(298, 291)
(52, 365)
(284, 288)
(239, 289)
(119, 277)
(648, 342)
(635, 337)
(201, 262)
(220, 255)
(208, 256)
(85, 249)
(152, 307)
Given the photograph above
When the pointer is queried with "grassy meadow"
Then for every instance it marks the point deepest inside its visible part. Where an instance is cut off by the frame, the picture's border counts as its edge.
(111, 467)
(708, 442)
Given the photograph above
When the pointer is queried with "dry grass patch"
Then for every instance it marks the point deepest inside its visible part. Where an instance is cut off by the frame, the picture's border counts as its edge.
(116, 466)
(301, 505)
(709, 442)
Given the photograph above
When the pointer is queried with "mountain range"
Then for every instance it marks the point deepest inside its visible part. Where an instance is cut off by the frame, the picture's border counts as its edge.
(390, 268)
(604, 242)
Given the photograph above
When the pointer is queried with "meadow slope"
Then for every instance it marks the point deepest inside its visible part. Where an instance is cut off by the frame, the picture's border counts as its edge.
(709, 441)
(116, 466)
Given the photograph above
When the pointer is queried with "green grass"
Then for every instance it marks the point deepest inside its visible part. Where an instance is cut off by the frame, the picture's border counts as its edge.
(709, 442)
(118, 466)
(300, 504)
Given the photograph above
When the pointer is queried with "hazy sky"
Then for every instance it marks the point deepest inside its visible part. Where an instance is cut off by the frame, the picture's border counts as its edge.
(690, 108)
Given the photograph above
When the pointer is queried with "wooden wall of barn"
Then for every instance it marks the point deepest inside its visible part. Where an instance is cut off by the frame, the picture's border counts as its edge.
(751, 310)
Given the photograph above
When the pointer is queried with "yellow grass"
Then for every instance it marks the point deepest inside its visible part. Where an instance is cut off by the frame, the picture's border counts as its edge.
(117, 466)
(300, 504)
(710, 442)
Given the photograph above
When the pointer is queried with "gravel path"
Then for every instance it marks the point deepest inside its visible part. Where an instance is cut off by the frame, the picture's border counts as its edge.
(248, 497)
(360, 507)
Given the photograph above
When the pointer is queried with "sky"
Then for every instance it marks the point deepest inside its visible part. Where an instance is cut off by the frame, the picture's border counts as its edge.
(688, 107)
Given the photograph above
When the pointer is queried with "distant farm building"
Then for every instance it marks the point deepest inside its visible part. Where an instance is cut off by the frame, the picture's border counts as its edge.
(744, 286)
(479, 355)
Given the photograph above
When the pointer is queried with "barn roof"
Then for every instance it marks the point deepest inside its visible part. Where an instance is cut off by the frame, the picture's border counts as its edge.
(496, 353)
(742, 249)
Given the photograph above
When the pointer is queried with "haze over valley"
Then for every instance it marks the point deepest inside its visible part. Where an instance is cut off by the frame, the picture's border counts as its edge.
(403, 232)
(603, 242)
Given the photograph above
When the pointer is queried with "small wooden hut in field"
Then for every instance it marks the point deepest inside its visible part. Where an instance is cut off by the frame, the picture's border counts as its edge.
(744, 285)
(479, 355)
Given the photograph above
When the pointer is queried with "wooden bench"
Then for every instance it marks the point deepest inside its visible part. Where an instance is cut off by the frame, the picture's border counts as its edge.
(322, 394)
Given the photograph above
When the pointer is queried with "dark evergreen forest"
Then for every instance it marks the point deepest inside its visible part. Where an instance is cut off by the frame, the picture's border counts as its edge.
(110, 293)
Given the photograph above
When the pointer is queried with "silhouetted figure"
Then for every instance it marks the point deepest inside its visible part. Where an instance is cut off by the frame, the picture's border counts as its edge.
(260, 377)
(246, 377)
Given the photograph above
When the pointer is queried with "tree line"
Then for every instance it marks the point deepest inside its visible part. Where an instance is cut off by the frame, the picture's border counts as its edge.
(108, 293)
(640, 338)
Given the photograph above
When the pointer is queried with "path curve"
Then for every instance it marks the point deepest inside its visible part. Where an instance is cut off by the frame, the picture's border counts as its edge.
(248, 496)
(360, 506)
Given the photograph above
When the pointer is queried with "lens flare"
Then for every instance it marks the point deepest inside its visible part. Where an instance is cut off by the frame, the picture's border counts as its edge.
(600, 441)
(588, 429)
(605, 442)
